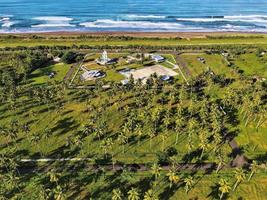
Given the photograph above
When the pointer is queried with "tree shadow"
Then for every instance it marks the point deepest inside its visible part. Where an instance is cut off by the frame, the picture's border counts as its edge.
(169, 192)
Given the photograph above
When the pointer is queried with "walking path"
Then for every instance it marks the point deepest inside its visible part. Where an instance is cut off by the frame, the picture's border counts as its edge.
(183, 65)
(118, 167)
(175, 66)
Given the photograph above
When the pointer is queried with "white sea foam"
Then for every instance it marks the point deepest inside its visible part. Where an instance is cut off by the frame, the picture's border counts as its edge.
(133, 16)
(8, 24)
(107, 23)
(4, 19)
(241, 18)
(53, 21)
(52, 25)
(53, 18)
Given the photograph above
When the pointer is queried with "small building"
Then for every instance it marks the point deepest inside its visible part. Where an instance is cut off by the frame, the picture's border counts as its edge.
(157, 58)
(92, 75)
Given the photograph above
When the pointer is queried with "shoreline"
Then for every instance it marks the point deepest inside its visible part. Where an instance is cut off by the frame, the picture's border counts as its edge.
(141, 34)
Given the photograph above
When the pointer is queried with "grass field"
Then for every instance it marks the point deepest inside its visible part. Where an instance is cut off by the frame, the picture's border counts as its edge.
(41, 75)
(215, 62)
(252, 65)
(29, 42)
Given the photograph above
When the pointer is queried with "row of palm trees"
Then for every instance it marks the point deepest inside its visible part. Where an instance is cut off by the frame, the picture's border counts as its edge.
(224, 187)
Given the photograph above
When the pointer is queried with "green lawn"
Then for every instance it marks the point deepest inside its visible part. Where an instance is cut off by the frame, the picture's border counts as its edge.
(41, 75)
(252, 65)
(214, 62)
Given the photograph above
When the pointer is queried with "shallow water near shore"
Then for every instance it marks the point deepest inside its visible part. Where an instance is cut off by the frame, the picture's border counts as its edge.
(133, 15)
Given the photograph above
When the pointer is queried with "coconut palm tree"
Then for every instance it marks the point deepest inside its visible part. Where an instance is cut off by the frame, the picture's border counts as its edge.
(133, 194)
(239, 176)
(173, 177)
(150, 195)
(178, 126)
(59, 193)
(151, 133)
(122, 139)
(116, 194)
(203, 145)
(220, 161)
(43, 193)
(224, 187)
(155, 170)
(164, 137)
(254, 166)
(106, 145)
(189, 182)
(53, 176)
(139, 133)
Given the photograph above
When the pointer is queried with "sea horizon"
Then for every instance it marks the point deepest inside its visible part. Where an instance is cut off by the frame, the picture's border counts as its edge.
(30, 16)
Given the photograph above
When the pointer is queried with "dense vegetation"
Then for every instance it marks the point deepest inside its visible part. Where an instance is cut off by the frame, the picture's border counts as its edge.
(161, 140)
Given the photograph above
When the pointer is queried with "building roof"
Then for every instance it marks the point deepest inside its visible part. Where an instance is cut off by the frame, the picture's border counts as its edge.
(157, 57)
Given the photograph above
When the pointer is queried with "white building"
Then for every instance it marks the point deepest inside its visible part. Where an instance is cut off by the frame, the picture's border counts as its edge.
(157, 58)
(92, 75)
(105, 60)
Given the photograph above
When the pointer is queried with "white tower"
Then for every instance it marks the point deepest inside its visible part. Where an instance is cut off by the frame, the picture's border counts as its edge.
(104, 58)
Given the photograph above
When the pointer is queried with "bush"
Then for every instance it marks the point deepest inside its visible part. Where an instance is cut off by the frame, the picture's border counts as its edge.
(69, 57)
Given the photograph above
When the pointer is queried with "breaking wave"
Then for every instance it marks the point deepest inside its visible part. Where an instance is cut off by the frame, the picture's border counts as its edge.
(136, 17)
(237, 18)
(107, 23)
(53, 18)
(53, 21)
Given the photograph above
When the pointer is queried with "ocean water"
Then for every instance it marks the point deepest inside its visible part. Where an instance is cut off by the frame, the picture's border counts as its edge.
(133, 15)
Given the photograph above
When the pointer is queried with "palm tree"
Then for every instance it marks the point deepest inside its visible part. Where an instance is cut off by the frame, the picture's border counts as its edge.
(254, 166)
(203, 145)
(220, 161)
(151, 133)
(164, 137)
(59, 193)
(224, 187)
(239, 176)
(139, 133)
(11, 180)
(43, 193)
(150, 195)
(178, 126)
(155, 170)
(167, 121)
(122, 139)
(53, 176)
(189, 182)
(173, 178)
(106, 145)
(133, 194)
(46, 134)
(116, 194)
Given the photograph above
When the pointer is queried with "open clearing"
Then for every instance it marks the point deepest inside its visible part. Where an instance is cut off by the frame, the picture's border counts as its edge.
(146, 72)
